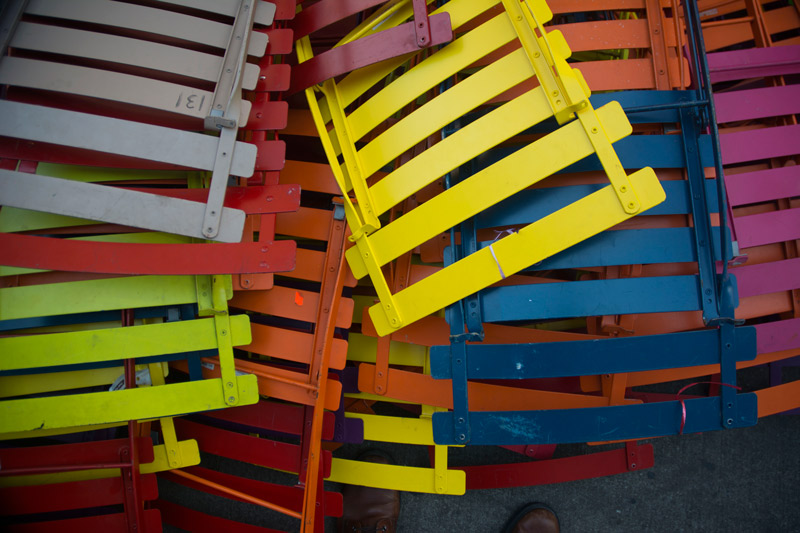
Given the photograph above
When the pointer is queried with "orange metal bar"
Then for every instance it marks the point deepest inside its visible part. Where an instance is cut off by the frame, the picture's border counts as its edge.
(232, 492)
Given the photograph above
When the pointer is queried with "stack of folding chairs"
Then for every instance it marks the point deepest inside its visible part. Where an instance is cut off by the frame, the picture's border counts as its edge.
(512, 232)
(138, 190)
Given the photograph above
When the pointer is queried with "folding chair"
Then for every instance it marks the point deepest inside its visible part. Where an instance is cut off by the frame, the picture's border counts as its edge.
(563, 94)
(154, 109)
(88, 504)
(710, 293)
(91, 302)
(727, 24)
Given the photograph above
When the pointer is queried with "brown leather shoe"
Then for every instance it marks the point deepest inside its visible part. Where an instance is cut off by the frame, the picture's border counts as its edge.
(533, 518)
(368, 510)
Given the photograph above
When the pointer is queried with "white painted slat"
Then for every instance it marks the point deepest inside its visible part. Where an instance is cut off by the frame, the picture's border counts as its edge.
(122, 137)
(125, 51)
(147, 19)
(104, 84)
(265, 11)
(113, 205)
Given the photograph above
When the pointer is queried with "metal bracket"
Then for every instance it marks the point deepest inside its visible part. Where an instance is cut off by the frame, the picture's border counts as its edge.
(422, 27)
(224, 115)
(10, 16)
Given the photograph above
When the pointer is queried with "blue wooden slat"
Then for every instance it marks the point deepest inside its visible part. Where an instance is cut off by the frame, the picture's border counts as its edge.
(635, 151)
(623, 247)
(607, 356)
(591, 298)
(595, 424)
(532, 204)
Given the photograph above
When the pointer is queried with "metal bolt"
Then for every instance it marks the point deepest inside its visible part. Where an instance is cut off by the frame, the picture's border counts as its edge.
(230, 384)
(623, 189)
(231, 399)
(224, 332)
(631, 205)
(729, 421)
(633, 465)
(264, 249)
(462, 437)
(595, 130)
(460, 420)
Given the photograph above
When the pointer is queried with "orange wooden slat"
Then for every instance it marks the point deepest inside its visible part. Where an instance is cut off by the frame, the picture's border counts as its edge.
(423, 389)
(289, 303)
(292, 345)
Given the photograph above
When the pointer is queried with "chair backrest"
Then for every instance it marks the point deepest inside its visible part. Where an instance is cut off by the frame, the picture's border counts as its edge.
(354, 113)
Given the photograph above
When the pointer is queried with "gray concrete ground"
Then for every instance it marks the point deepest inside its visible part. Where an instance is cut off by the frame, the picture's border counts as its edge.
(738, 480)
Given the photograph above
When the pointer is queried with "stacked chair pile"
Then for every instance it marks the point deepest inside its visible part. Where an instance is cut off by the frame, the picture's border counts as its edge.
(239, 237)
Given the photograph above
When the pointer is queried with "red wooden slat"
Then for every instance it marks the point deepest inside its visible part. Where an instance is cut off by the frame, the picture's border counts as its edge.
(285, 496)
(267, 115)
(272, 416)
(84, 453)
(558, 470)
(275, 77)
(134, 258)
(72, 495)
(367, 51)
(262, 452)
(108, 522)
(191, 520)
(271, 155)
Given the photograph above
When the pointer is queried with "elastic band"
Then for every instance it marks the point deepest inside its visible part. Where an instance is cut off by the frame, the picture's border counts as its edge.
(683, 405)
(502, 274)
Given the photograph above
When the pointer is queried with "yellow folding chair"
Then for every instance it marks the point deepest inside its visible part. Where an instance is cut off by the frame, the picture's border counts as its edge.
(358, 125)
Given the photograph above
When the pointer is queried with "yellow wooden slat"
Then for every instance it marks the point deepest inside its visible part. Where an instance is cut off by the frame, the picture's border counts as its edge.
(488, 187)
(407, 478)
(537, 241)
(76, 410)
(362, 348)
(95, 295)
(38, 351)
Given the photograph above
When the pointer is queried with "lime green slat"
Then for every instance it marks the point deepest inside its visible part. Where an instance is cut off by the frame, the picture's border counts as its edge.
(37, 351)
(11, 386)
(100, 174)
(95, 295)
(539, 240)
(129, 404)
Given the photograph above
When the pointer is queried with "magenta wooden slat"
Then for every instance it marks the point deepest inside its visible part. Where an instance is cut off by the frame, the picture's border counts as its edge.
(763, 185)
(106, 522)
(777, 336)
(28, 251)
(753, 145)
(367, 51)
(327, 12)
(191, 520)
(757, 103)
(765, 278)
(754, 63)
(767, 228)
(285, 496)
